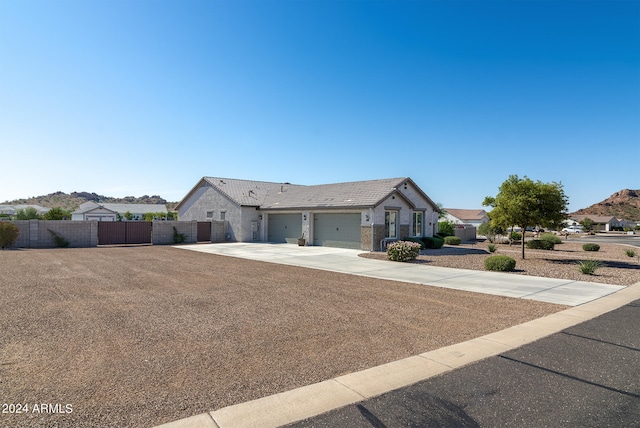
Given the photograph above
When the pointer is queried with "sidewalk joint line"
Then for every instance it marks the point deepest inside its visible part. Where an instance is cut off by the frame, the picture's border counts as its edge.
(349, 388)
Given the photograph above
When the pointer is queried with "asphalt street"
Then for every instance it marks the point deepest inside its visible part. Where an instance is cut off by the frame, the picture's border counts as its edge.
(585, 376)
(633, 240)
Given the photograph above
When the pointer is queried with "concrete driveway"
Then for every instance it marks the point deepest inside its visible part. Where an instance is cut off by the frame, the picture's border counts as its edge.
(564, 292)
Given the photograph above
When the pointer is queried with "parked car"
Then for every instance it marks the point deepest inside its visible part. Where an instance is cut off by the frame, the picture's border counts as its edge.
(573, 229)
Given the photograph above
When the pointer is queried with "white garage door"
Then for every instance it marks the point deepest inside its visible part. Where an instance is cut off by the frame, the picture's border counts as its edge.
(285, 228)
(337, 230)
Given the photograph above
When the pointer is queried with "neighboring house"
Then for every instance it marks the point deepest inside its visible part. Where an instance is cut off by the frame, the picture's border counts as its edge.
(358, 215)
(13, 209)
(113, 212)
(472, 217)
(600, 223)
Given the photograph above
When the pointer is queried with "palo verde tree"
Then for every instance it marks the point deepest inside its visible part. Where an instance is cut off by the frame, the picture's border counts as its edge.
(523, 202)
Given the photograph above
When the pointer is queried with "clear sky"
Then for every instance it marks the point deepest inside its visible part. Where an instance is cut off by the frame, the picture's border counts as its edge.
(134, 97)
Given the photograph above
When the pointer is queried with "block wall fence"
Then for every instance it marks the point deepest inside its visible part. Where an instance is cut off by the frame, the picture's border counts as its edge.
(40, 233)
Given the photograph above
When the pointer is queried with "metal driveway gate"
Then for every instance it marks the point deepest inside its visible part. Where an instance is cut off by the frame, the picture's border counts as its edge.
(124, 232)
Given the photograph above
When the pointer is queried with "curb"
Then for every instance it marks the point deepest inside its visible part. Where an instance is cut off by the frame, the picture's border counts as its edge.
(312, 400)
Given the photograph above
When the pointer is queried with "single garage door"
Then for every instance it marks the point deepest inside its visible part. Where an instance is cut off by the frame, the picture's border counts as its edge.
(337, 230)
(285, 228)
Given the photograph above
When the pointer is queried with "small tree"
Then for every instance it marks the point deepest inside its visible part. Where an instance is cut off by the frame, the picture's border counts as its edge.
(127, 215)
(8, 234)
(587, 224)
(490, 231)
(523, 202)
(57, 213)
(442, 213)
(445, 228)
(28, 213)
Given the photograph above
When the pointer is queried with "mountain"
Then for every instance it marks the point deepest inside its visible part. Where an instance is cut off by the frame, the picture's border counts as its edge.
(623, 204)
(74, 199)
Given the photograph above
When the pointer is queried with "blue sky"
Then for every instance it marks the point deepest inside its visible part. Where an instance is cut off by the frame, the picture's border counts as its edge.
(145, 97)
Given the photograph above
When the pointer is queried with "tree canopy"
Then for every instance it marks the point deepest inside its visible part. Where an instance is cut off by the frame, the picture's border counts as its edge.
(524, 203)
(57, 213)
(28, 213)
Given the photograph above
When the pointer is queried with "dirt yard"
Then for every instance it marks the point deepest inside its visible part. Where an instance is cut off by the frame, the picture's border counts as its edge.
(138, 336)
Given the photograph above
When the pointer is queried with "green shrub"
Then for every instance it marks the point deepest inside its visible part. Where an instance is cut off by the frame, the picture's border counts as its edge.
(550, 237)
(500, 263)
(8, 234)
(59, 240)
(28, 213)
(445, 229)
(417, 241)
(629, 252)
(591, 247)
(178, 238)
(434, 242)
(515, 236)
(539, 244)
(452, 240)
(492, 248)
(588, 267)
(403, 251)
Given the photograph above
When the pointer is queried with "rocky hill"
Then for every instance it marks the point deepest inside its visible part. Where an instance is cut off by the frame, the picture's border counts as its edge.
(623, 204)
(74, 199)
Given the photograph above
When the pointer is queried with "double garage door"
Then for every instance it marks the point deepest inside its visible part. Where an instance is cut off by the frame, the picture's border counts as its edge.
(330, 230)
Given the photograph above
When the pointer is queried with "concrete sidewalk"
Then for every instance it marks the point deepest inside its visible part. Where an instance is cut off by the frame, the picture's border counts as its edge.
(563, 292)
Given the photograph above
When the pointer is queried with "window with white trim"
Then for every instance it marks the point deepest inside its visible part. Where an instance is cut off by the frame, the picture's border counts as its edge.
(391, 224)
(418, 217)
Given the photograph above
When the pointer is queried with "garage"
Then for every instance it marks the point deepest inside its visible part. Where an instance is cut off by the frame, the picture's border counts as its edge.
(284, 228)
(337, 230)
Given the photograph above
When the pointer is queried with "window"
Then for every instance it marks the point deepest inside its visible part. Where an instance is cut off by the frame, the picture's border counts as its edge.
(417, 223)
(390, 221)
(209, 214)
(223, 214)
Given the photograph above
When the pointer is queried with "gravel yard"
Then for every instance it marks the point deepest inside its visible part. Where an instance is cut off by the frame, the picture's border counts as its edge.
(562, 262)
(138, 336)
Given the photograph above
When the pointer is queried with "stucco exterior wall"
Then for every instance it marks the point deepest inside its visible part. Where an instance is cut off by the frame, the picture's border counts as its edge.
(205, 199)
(241, 227)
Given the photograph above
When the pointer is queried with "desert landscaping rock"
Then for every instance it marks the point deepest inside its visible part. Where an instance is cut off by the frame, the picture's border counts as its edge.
(562, 262)
(139, 336)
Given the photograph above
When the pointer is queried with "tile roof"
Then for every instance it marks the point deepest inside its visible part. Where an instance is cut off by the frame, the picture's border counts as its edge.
(336, 195)
(246, 192)
(463, 214)
(269, 195)
(122, 208)
(14, 208)
(594, 218)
